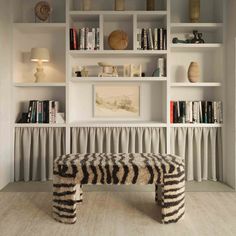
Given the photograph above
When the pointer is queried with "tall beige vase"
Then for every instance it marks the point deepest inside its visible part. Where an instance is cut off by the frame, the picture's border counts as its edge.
(194, 11)
(87, 5)
(193, 72)
(119, 5)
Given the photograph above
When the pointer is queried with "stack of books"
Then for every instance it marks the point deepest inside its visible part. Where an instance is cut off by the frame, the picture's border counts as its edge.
(42, 111)
(196, 112)
(84, 39)
(152, 39)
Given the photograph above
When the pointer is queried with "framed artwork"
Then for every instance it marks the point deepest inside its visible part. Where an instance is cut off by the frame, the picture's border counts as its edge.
(117, 101)
(131, 70)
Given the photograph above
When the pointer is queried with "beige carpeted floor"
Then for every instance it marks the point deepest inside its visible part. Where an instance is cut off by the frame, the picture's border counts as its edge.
(117, 213)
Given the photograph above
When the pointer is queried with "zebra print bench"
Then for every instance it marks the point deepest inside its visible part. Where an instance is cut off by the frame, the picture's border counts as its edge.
(73, 171)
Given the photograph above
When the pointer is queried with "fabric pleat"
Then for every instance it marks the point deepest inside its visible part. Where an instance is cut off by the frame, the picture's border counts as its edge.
(202, 150)
(118, 139)
(35, 150)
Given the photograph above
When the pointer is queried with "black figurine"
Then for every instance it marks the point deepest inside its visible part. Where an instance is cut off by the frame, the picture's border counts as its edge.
(200, 38)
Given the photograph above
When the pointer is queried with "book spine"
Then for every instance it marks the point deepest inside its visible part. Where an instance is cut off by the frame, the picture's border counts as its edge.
(37, 112)
(93, 39)
(97, 39)
(74, 39)
(155, 36)
(139, 38)
(150, 41)
(86, 39)
(71, 40)
(29, 112)
(145, 43)
(50, 112)
(171, 112)
(90, 40)
(160, 39)
(164, 39)
(215, 120)
(161, 66)
(81, 39)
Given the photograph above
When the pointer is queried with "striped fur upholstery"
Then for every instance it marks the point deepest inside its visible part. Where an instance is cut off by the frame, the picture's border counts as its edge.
(72, 171)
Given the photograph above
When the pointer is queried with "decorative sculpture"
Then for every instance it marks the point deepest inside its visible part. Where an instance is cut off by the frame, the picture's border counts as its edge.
(150, 5)
(118, 40)
(107, 70)
(42, 11)
(194, 10)
(193, 72)
(119, 5)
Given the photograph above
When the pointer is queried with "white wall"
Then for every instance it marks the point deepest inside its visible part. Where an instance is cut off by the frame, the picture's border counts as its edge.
(5, 94)
(230, 167)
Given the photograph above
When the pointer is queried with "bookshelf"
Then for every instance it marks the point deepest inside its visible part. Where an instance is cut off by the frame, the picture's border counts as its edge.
(75, 94)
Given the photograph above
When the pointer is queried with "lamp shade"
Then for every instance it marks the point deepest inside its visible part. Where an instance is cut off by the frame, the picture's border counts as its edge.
(40, 54)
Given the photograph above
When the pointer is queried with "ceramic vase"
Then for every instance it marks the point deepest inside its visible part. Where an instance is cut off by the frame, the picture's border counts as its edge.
(119, 5)
(150, 5)
(86, 5)
(193, 72)
(194, 10)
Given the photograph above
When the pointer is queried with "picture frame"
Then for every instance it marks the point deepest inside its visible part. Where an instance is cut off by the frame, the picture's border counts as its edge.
(132, 70)
(117, 101)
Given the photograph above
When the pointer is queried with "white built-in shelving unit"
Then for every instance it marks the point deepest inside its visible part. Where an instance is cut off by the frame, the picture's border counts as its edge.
(76, 94)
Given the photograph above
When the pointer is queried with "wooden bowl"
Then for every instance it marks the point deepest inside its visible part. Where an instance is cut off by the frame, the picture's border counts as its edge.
(118, 40)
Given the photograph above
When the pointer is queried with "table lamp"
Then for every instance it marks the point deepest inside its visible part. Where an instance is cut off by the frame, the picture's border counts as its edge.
(39, 55)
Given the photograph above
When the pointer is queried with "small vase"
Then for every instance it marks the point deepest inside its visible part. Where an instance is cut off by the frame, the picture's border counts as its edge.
(193, 72)
(194, 10)
(150, 5)
(86, 5)
(119, 5)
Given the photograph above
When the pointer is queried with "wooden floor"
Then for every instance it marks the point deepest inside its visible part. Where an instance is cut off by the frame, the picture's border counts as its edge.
(117, 213)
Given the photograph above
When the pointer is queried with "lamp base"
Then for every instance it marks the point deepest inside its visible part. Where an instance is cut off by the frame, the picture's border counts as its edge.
(39, 75)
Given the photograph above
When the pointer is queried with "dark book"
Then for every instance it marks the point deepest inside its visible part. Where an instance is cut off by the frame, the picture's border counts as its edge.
(182, 107)
(34, 112)
(30, 111)
(175, 112)
(75, 39)
(209, 112)
(46, 111)
(71, 39)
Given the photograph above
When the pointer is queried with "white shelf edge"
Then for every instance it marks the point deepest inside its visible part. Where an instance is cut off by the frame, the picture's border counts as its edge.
(117, 124)
(195, 47)
(119, 13)
(197, 25)
(117, 52)
(30, 125)
(117, 79)
(201, 84)
(28, 27)
(39, 84)
(196, 125)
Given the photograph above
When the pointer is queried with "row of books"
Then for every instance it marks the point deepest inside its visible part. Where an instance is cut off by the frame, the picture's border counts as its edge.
(42, 111)
(152, 39)
(84, 39)
(196, 112)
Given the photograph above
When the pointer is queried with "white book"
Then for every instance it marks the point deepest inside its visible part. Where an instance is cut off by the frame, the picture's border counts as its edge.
(215, 120)
(90, 45)
(155, 36)
(191, 112)
(97, 38)
(81, 41)
(161, 66)
(93, 38)
(150, 40)
(200, 112)
(139, 38)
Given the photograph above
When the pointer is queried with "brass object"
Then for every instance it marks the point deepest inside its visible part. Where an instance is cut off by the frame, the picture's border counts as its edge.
(194, 11)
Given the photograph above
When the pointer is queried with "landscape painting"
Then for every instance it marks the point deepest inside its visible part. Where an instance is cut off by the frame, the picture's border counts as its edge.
(118, 101)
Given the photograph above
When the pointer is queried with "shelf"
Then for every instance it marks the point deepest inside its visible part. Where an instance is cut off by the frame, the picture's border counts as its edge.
(197, 125)
(39, 27)
(117, 79)
(119, 13)
(39, 125)
(188, 27)
(201, 84)
(83, 53)
(124, 123)
(195, 47)
(39, 84)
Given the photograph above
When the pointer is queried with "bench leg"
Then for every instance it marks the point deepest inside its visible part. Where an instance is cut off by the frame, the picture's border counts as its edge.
(79, 193)
(157, 194)
(173, 197)
(64, 200)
